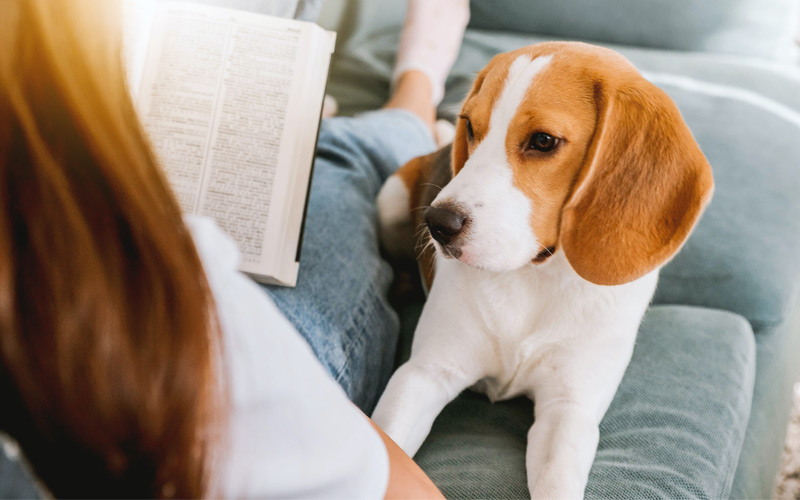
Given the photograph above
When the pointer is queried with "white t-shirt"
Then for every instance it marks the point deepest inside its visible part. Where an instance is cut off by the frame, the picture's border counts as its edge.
(292, 432)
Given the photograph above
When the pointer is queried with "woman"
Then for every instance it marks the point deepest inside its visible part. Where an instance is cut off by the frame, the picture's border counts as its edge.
(134, 359)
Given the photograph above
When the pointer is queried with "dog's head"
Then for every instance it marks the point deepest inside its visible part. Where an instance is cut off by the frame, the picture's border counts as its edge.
(565, 147)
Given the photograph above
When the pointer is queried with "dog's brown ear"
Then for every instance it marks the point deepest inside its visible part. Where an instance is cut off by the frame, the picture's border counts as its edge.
(642, 188)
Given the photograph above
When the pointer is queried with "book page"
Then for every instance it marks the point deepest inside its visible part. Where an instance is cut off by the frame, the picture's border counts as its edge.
(179, 95)
(247, 145)
(214, 100)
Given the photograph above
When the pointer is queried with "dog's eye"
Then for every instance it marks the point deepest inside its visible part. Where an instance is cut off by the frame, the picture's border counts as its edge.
(542, 141)
(470, 132)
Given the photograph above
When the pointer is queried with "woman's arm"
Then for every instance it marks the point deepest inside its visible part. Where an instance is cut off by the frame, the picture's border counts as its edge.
(406, 479)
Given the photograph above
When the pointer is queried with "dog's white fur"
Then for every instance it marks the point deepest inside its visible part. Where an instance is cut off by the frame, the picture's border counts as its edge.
(496, 322)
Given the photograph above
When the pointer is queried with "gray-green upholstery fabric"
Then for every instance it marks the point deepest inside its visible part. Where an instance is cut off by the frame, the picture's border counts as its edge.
(744, 256)
(762, 28)
(362, 65)
(777, 349)
(674, 429)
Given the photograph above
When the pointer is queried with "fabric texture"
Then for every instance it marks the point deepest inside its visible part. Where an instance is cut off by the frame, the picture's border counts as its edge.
(761, 28)
(742, 256)
(340, 302)
(362, 65)
(776, 372)
(291, 432)
(674, 429)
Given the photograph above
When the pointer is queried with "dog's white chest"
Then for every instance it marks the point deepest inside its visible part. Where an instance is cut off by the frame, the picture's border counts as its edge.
(525, 320)
(519, 317)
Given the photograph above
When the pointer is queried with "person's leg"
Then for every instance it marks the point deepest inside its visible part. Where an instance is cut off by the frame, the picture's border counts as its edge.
(340, 303)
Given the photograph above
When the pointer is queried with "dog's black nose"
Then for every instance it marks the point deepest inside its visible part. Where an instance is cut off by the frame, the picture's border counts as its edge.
(444, 223)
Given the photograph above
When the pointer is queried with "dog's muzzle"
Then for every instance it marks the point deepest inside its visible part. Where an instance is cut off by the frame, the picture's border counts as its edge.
(445, 223)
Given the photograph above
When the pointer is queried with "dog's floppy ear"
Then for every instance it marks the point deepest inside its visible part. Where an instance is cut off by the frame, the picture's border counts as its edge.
(642, 188)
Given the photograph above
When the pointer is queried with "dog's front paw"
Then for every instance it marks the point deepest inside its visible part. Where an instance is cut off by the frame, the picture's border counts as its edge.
(556, 482)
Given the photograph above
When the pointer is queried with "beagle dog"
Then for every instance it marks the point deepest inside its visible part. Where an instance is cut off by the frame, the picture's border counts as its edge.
(571, 180)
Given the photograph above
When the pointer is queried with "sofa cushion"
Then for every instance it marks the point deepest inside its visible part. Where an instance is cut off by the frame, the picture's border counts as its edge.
(363, 62)
(771, 79)
(743, 255)
(776, 374)
(674, 429)
(762, 28)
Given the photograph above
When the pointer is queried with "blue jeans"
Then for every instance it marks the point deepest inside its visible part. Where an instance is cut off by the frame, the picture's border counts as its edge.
(340, 303)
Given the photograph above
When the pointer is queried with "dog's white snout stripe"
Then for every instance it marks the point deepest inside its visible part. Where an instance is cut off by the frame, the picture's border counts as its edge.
(520, 76)
(500, 236)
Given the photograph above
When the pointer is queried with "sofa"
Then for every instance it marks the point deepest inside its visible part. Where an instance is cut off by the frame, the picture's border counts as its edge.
(703, 407)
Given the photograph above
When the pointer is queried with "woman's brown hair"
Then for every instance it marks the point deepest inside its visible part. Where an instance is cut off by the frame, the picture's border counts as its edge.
(108, 339)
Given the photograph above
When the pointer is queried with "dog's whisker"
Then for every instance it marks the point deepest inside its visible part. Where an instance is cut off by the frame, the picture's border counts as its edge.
(420, 234)
(423, 246)
(427, 247)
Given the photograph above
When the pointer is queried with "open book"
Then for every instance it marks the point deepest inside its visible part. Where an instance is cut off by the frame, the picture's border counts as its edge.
(231, 102)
